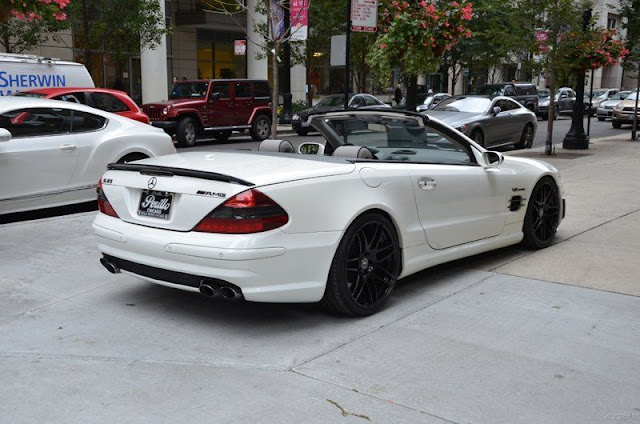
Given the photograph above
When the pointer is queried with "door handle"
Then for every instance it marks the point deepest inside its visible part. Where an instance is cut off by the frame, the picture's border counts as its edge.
(427, 183)
(68, 147)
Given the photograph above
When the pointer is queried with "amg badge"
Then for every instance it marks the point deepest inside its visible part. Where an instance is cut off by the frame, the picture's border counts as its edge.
(211, 193)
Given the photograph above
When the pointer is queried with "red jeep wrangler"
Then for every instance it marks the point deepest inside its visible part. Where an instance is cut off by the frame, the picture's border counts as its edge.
(215, 106)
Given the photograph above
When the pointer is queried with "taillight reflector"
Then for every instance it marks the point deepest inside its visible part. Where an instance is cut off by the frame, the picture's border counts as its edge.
(248, 212)
(103, 203)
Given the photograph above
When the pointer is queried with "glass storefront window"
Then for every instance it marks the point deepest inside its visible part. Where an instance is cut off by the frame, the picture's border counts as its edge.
(216, 58)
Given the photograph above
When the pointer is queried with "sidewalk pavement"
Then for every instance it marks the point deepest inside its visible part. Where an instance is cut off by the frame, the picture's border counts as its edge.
(511, 336)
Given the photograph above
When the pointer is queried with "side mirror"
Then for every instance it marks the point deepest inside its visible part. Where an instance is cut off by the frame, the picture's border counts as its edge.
(496, 110)
(492, 159)
(5, 135)
(311, 148)
(214, 97)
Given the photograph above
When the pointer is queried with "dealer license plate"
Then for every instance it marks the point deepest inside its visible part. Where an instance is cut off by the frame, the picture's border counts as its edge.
(155, 204)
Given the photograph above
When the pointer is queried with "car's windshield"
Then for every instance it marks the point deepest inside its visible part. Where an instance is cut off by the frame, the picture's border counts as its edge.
(631, 96)
(331, 101)
(189, 89)
(621, 95)
(543, 94)
(464, 104)
(490, 90)
(595, 94)
(36, 95)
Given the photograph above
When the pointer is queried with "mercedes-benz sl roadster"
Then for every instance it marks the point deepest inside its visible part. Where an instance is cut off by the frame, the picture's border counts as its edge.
(385, 195)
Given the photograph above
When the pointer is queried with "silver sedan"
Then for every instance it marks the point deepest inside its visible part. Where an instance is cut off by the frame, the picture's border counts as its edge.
(489, 121)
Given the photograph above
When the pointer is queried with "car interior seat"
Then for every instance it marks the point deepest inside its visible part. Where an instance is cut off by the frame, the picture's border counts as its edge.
(282, 146)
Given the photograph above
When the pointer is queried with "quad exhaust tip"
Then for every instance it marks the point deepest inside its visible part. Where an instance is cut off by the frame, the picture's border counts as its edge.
(212, 290)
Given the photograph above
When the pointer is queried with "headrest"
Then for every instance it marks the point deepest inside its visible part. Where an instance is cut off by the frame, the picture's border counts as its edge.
(282, 146)
(355, 152)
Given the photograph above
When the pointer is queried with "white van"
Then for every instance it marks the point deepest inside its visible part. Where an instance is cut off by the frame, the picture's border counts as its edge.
(20, 72)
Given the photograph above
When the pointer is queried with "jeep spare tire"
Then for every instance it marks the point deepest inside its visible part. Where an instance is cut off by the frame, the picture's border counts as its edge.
(260, 128)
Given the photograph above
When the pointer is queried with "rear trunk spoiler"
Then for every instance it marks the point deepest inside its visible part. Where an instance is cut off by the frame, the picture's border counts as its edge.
(166, 171)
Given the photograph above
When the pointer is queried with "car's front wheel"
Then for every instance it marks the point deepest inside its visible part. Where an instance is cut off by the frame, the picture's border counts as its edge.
(260, 128)
(478, 137)
(543, 215)
(616, 124)
(186, 132)
(302, 132)
(365, 267)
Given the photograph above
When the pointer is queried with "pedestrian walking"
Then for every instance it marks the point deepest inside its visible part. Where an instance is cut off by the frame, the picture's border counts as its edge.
(397, 96)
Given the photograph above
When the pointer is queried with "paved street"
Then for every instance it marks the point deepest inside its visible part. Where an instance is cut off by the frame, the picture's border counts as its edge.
(512, 336)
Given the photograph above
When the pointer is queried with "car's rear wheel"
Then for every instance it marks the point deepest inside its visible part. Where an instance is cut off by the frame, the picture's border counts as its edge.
(131, 157)
(526, 139)
(600, 118)
(222, 135)
(302, 132)
(260, 128)
(478, 137)
(616, 124)
(187, 132)
(543, 215)
(365, 267)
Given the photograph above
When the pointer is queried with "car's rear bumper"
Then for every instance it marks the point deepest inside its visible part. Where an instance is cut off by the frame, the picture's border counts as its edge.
(268, 267)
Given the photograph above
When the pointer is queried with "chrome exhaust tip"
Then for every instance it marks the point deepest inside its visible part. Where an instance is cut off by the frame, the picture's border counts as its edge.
(230, 293)
(111, 267)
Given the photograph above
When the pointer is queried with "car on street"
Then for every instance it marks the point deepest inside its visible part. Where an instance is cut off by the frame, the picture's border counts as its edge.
(52, 153)
(623, 113)
(605, 108)
(425, 101)
(564, 100)
(339, 224)
(332, 103)
(525, 93)
(114, 101)
(216, 107)
(599, 96)
(489, 121)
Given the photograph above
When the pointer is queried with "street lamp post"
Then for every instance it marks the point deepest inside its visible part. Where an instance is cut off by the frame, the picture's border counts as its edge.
(634, 129)
(286, 80)
(576, 137)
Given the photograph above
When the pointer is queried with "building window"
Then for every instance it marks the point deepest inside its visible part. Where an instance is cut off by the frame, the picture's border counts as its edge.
(612, 22)
(216, 58)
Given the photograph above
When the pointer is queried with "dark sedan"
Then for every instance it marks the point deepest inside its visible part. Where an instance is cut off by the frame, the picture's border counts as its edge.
(333, 103)
(489, 121)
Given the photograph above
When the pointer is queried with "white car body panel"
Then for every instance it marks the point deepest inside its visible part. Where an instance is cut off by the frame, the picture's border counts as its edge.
(466, 212)
(48, 171)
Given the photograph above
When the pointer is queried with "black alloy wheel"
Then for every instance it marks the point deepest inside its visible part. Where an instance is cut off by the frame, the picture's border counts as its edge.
(365, 267)
(543, 214)
(478, 137)
(526, 140)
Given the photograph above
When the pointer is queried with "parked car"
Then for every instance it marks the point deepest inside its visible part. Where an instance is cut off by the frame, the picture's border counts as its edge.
(114, 101)
(216, 107)
(605, 108)
(20, 72)
(332, 103)
(489, 121)
(340, 224)
(431, 101)
(564, 100)
(53, 152)
(524, 92)
(623, 113)
(599, 96)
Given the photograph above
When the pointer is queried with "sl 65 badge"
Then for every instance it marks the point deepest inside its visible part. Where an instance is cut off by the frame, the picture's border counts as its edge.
(211, 193)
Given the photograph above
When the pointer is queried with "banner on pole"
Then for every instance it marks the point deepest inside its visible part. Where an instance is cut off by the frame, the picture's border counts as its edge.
(299, 15)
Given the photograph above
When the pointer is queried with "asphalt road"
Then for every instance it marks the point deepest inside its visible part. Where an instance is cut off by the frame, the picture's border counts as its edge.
(560, 129)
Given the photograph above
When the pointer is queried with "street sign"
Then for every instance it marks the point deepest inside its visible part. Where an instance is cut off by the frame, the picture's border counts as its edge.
(364, 15)
(338, 50)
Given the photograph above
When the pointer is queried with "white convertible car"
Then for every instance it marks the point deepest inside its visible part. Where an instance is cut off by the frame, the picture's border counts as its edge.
(394, 194)
(52, 153)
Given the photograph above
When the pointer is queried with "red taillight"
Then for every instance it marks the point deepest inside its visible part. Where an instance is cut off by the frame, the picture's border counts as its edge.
(103, 203)
(248, 212)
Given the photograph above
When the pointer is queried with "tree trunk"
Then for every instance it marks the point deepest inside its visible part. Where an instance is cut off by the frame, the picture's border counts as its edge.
(276, 95)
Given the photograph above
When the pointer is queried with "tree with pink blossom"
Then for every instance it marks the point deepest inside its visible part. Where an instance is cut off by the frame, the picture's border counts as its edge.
(27, 23)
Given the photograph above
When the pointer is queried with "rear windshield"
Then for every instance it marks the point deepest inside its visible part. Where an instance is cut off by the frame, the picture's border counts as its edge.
(36, 95)
(528, 89)
(183, 90)
(490, 90)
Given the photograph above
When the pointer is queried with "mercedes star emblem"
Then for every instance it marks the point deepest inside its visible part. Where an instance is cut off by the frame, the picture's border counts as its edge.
(152, 182)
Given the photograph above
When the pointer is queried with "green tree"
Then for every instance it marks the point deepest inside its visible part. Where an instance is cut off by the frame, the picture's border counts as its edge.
(25, 24)
(414, 35)
(117, 27)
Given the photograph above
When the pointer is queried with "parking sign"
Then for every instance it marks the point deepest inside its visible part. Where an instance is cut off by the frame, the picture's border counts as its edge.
(364, 15)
